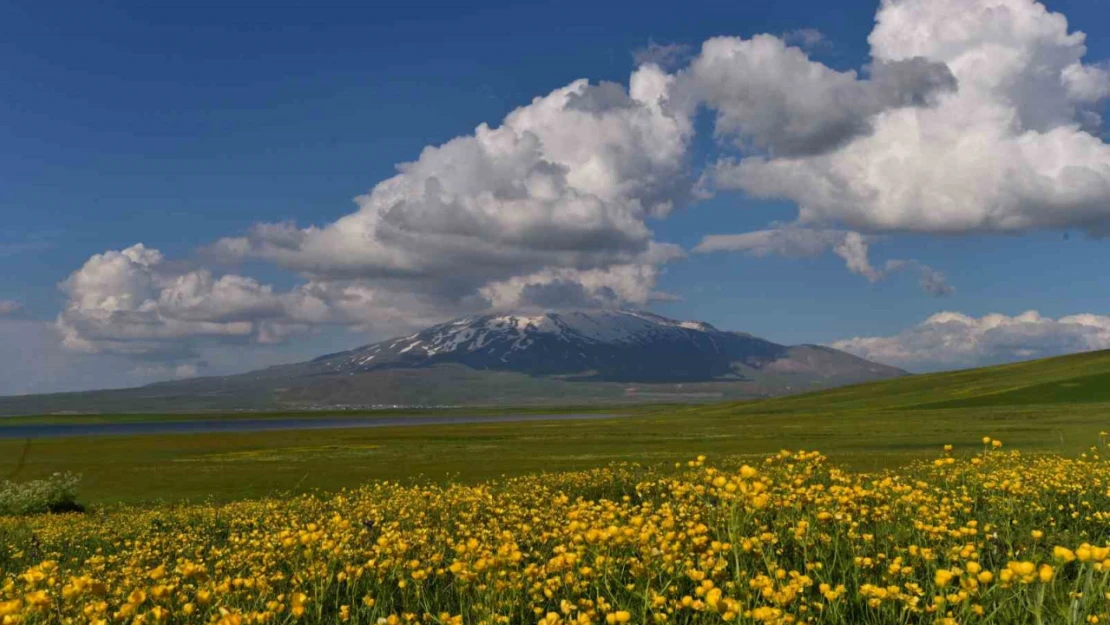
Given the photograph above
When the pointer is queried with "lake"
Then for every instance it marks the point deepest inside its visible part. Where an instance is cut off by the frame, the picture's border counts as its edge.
(203, 426)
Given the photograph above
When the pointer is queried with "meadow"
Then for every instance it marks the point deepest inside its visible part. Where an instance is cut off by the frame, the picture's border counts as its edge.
(232, 466)
(664, 514)
(974, 536)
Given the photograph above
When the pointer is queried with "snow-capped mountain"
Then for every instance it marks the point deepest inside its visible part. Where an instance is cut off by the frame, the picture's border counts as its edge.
(613, 345)
(558, 357)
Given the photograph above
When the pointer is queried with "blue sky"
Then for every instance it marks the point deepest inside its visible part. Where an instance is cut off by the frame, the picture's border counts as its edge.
(177, 126)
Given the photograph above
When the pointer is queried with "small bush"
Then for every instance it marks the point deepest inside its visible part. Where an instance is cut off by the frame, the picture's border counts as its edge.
(57, 493)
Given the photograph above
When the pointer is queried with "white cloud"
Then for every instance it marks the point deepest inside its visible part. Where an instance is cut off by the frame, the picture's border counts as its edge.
(8, 307)
(772, 97)
(949, 340)
(852, 247)
(567, 181)
(133, 302)
(571, 288)
(552, 204)
(1012, 149)
(121, 301)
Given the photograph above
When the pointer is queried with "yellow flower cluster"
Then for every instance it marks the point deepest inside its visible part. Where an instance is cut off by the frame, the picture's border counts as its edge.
(994, 537)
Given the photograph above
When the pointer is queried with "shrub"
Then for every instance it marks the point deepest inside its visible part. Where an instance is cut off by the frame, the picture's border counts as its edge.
(57, 493)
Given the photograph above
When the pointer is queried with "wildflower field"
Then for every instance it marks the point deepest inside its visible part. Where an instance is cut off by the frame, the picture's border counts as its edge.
(974, 536)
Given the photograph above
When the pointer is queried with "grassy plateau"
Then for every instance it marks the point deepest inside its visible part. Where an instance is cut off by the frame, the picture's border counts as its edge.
(976, 497)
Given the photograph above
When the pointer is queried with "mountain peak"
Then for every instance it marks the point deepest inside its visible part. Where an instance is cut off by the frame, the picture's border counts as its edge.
(602, 344)
(601, 324)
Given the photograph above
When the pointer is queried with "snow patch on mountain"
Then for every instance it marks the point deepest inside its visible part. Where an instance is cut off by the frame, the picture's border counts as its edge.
(622, 345)
(520, 331)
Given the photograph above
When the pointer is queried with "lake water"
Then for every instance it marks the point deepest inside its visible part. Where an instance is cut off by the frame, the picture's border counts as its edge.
(201, 426)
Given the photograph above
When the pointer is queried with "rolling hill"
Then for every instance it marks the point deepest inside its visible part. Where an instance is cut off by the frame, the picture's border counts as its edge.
(1073, 379)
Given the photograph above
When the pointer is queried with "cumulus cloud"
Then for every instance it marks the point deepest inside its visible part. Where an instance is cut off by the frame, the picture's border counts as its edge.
(566, 181)
(118, 303)
(8, 306)
(852, 247)
(951, 340)
(772, 97)
(133, 302)
(570, 288)
(553, 202)
(1011, 149)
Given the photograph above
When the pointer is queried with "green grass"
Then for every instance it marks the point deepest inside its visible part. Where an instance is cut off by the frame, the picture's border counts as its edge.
(1023, 383)
(1093, 388)
(1050, 405)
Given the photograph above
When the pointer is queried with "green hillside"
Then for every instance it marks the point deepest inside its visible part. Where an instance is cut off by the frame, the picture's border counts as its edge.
(1077, 378)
